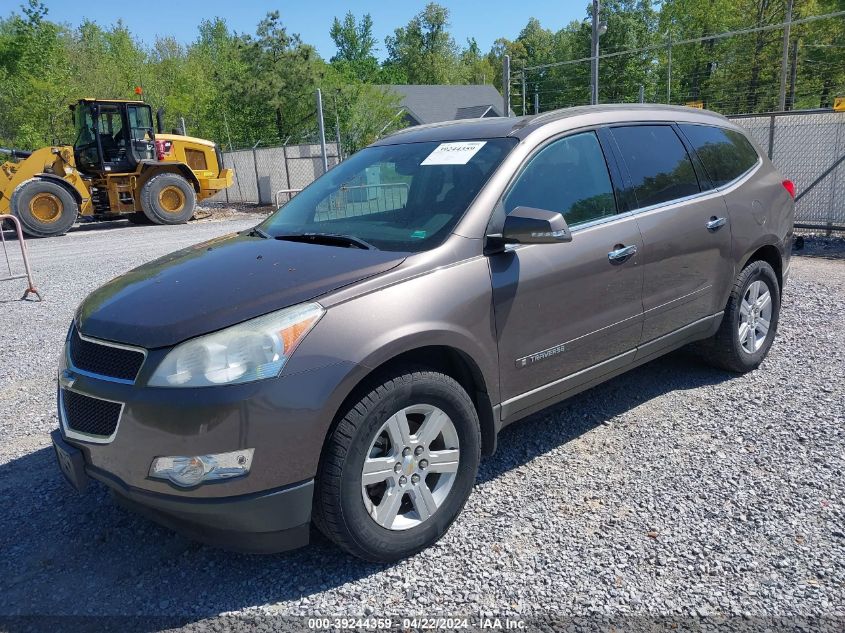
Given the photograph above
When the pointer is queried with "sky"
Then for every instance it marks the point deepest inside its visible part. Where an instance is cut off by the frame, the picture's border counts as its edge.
(485, 20)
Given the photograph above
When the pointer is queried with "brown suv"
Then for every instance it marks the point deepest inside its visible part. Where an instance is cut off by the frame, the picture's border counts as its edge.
(351, 358)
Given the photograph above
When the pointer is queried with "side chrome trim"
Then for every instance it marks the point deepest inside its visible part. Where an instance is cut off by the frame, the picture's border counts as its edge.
(558, 390)
(559, 387)
(97, 341)
(87, 437)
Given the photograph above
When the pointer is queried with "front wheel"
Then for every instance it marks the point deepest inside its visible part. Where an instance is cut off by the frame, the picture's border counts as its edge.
(750, 322)
(398, 467)
(44, 208)
(168, 199)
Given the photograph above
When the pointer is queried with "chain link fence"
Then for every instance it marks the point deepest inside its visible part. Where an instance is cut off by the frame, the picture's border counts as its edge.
(808, 148)
(261, 172)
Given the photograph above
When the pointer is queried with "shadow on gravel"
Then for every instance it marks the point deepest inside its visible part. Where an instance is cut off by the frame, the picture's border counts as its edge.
(820, 247)
(62, 553)
(547, 429)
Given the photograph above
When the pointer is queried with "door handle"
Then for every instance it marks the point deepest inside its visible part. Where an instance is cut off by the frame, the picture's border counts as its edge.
(716, 223)
(621, 253)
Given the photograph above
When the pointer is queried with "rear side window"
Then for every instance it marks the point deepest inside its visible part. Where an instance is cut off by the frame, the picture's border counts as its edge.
(658, 163)
(568, 176)
(725, 154)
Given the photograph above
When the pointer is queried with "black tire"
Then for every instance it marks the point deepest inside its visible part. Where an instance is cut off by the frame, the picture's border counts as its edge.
(159, 190)
(138, 218)
(44, 208)
(339, 510)
(724, 349)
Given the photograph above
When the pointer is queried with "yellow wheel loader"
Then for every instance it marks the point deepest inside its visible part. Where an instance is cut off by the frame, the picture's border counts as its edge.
(118, 166)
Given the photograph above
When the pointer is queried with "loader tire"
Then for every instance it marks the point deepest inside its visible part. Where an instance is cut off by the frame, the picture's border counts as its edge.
(168, 199)
(44, 208)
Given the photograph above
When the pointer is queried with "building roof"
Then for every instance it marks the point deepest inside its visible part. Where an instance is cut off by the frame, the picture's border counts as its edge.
(435, 103)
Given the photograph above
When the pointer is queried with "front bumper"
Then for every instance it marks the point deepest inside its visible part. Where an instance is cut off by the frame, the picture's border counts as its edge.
(264, 522)
(285, 421)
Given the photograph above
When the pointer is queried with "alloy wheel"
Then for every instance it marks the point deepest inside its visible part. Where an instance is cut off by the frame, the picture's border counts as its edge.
(410, 467)
(755, 316)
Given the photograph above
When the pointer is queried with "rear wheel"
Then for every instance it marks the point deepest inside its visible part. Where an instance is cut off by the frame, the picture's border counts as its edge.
(44, 208)
(399, 467)
(750, 322)
(168, 199)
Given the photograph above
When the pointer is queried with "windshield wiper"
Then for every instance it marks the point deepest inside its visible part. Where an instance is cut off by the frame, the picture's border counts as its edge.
(329, 239)
(255, 231)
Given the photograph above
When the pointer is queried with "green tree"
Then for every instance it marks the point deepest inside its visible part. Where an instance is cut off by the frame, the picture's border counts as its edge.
(356, 46)
(276, 93)
(423, 51)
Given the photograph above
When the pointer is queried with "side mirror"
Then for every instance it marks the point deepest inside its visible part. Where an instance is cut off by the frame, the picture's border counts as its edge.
(525, 225)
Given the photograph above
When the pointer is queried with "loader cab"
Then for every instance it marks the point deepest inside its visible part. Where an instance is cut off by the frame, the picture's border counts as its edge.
(112, 136)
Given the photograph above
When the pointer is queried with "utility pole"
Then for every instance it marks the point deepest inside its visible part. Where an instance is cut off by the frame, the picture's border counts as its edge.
(784, 62)
(669, 70)
(793, 73)
(523, 90)
(536, 98)
(337, 128)
(594, 55)
(321, 124)
(506, 85)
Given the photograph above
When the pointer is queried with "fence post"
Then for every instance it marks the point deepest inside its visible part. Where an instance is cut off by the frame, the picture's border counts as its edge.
(506, 85)
(287, 169)
(771, 136)
(222, 164)
(536, 99)
(784, 62)
(255, 166)
(322, 127)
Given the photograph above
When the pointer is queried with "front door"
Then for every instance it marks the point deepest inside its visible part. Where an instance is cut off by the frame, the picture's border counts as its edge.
(686, 234)
(566, 312)
(113, 135)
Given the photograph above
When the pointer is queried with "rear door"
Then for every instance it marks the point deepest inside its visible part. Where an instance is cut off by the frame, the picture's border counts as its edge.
(565, 311)
(686, 233)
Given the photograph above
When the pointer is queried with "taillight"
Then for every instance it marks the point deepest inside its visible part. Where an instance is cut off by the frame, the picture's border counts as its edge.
(790, 187)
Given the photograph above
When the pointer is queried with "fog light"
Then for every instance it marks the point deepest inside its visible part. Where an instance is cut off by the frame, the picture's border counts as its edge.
(191, 471)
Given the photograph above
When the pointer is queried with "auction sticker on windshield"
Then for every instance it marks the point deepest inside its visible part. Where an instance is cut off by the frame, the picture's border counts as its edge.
(453, 153)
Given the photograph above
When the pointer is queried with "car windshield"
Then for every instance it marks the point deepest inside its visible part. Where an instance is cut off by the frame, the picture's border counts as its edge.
(405, 197)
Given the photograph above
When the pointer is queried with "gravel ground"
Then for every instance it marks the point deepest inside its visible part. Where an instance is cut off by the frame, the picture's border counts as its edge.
(675, 490)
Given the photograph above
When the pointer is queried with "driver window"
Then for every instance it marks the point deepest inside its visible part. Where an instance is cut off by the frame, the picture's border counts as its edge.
(568, 176)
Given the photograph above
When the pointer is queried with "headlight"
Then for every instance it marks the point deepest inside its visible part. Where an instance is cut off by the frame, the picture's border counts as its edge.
(249, 351)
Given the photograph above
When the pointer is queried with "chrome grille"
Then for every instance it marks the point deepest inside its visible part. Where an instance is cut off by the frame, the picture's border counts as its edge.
(90, 416)
(104, 359)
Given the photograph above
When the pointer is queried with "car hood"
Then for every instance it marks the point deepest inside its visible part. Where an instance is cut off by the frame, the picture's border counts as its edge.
(218, 283)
